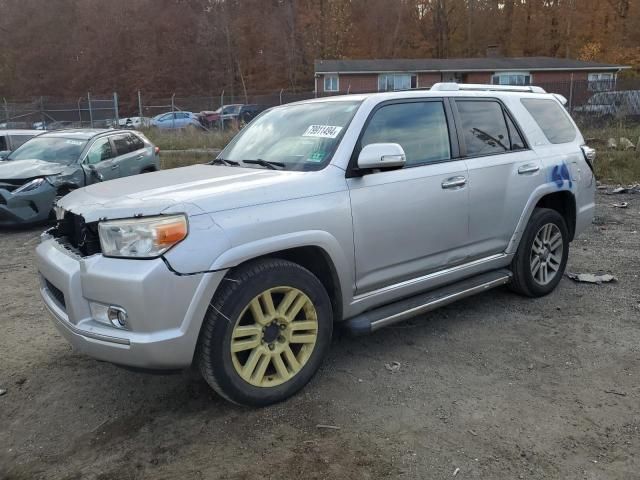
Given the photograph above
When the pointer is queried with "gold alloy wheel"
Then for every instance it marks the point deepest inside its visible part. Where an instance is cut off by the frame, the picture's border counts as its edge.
(274, 336)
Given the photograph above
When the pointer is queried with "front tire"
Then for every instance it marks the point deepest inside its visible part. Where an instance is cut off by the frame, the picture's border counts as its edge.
(542, 254)
(266, 332)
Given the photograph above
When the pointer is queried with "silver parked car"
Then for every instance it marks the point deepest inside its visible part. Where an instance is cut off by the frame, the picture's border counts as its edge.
(362, 210)
(53, 164)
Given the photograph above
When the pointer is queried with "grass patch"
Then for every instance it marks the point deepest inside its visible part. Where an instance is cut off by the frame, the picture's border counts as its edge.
(188, 139)
(615, 166)
(169, 159)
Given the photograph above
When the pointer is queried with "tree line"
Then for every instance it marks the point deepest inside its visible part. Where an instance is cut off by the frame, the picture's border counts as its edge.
(201, 47)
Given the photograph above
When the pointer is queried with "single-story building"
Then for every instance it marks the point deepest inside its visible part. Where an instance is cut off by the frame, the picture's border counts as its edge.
(359, 76)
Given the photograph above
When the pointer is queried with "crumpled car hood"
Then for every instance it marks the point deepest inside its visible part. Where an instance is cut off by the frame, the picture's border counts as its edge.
(193, 190)
(24, 169)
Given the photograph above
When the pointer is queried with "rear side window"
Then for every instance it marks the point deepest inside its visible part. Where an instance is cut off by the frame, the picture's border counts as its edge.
(485, 128)
(122, 144)
(551, 118)
(3, 143)
(419, 127)
(135, 142)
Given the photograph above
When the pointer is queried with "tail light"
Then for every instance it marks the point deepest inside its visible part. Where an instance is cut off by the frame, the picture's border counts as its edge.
(157, 150)
(589, 155)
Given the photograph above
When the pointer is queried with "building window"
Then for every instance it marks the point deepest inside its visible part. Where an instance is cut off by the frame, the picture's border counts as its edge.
(331, 83)
(511, 78)
(601, 81)
(388, 82)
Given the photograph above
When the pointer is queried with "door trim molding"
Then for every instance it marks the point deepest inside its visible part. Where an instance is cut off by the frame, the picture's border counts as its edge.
(424, 278)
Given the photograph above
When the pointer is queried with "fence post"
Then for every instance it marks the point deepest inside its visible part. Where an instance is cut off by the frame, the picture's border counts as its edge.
(80, 111)
(173, 109)
(42, 118)
(115, 109)
(222, 111)
(90, 109)
(6, 111)
(140, 105)
(571, 93)
(281, 90)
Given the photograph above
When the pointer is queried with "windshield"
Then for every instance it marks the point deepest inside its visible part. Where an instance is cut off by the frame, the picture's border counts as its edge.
(301, 137)
(50, 149)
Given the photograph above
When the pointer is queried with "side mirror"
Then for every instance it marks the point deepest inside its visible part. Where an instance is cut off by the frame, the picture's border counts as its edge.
(381, 155)
(95, 173)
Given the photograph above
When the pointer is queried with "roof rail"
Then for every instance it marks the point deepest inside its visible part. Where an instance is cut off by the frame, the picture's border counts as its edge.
(453, 87)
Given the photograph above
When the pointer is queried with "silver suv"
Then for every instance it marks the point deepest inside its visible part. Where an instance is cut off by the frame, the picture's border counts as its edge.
(358, 210)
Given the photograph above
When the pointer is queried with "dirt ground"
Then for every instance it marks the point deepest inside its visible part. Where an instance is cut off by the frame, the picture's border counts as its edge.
(494, 387)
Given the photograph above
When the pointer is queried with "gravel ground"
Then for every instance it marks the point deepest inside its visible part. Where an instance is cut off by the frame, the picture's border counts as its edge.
(496, 386)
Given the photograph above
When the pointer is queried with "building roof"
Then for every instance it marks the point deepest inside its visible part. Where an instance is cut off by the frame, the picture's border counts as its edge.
(483, 64)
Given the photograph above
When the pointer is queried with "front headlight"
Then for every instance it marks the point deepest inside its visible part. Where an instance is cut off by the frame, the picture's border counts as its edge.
(142, 237)
(32, 185)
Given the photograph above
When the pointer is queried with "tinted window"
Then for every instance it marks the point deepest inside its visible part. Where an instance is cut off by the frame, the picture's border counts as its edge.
(551, 118)
(419, 127)
(516, 139)
(484, 127)
(135, 142)
(99, 151)
(122, 144)
(3, 143)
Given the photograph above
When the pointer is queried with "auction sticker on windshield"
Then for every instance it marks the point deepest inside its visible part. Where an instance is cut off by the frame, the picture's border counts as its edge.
(322, 131)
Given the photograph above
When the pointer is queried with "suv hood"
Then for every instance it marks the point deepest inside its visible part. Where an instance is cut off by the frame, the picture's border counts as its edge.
(193, 190)
(25, 169)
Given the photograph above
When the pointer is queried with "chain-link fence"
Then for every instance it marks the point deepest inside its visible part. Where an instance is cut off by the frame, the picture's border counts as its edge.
(46, 113)
(592, 103)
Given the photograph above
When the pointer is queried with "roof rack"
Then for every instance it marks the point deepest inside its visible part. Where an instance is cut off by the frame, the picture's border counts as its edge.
(453, 87)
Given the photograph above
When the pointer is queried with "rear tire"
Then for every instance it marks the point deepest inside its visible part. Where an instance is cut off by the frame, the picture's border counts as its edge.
(266, 332)
(542, 255)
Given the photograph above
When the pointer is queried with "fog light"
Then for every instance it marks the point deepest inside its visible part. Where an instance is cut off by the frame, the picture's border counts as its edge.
(117, 316)
(109, 314)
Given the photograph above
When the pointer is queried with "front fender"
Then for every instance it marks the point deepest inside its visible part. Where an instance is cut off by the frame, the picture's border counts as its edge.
(181, 259)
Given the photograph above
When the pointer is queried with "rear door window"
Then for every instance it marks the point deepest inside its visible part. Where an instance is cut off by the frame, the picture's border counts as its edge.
(551, 118)
(122, 144)
(419, 127)
(135, 142)
(3, 143)
(485, 129)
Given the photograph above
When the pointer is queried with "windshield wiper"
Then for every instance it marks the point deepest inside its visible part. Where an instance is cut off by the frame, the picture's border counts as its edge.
(265, 163)
(222, 161)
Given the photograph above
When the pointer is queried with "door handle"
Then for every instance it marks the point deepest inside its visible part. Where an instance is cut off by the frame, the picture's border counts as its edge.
(141, 156)
(454, 182)
(528, 168)
(114, 167)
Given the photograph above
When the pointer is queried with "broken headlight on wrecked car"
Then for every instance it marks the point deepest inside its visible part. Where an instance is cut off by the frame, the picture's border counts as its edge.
(144, 237)
(30, 185)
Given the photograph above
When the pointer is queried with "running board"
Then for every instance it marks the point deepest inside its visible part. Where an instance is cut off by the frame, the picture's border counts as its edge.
(373, 320)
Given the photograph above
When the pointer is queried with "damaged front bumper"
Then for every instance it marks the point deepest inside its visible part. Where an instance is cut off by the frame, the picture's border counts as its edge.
(26, 208)
(164, 310)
